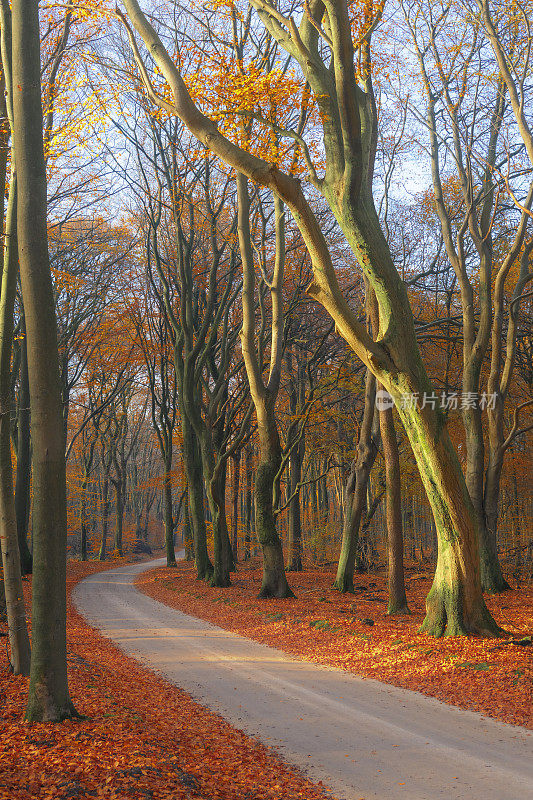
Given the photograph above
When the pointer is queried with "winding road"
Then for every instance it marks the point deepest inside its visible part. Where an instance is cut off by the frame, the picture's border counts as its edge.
(363, 739)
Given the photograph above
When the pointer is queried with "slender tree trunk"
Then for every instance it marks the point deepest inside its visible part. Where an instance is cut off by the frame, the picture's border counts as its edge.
(236, 459)
(14, 597)
(48, 698)
(23, 479)
(295, 521)
(167, 513)
(296, 392)
(105, 516)
(195, 488)
(83, 522)
(492, 579)
(355, 492)
(119, 515)
(248, 503)
(88, 460)
(397, 597)
(274, 583)
(187, 532)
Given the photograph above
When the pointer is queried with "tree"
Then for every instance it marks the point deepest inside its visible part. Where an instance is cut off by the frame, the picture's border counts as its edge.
(346, 102)
(154, 339)
(48, 698)
(14, 597)
(264, 393)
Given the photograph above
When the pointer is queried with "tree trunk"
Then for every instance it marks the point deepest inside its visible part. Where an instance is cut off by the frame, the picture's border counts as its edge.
(223, 557)
(119, 515)
(83, 522)
(187, 532)
(248, 503)
(397, 597)
(48, 698)
(105, 517)
(195, 488)
(455, 604)
(274, 583)
(215, 489)
(236, 459)
(294, 563)
(492, 579)
(356, 487)
(167, 513)
(23, 479)
(14, 597)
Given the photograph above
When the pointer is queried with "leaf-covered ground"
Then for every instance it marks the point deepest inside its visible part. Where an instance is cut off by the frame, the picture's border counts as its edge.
(143, 738)
(492, 676)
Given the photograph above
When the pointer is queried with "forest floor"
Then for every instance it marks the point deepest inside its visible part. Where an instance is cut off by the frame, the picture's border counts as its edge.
(142, 738)
(354, 633)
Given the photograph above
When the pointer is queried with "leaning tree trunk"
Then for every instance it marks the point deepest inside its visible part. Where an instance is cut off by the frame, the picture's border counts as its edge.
(23, 474)
(14, 597)
(48, 698)
(455, 604)
(355, 492)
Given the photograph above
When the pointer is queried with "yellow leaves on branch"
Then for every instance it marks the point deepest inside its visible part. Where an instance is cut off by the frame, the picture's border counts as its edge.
(364, 14)
(250, 105)
(217, 5)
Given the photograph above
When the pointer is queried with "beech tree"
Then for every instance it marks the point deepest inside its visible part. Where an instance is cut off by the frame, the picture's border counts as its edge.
(48, 698)
(11, 562)
(470, 207)
(336, 63)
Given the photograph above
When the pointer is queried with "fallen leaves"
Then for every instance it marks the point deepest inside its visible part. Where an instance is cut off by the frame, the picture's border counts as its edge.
(494, 677)
(143, 738)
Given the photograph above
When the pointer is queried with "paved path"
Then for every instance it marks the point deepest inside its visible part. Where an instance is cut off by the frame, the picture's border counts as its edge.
(362, 738)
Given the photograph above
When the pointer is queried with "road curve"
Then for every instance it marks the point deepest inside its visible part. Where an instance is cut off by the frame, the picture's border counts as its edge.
(362, 738)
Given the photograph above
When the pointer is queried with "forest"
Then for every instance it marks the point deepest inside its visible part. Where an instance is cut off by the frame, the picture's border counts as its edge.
(266, 314)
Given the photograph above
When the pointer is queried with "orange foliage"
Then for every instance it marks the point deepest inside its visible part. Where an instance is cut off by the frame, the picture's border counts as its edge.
(142, 737)
(493, 677)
